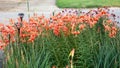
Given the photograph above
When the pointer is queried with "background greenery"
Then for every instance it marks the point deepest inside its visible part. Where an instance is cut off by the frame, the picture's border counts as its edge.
(86, 3)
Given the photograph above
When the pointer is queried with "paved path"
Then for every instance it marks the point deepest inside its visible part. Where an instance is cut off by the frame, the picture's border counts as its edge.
(37, 6)
(6, 5)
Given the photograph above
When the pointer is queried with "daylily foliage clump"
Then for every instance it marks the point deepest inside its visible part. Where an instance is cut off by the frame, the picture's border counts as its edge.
(71, 29)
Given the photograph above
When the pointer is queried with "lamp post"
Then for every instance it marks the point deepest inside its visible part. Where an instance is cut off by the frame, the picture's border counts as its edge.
(19, 25)
(21, 15)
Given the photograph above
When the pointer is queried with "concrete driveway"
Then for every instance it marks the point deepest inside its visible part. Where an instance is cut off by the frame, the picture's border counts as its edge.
(6, 5)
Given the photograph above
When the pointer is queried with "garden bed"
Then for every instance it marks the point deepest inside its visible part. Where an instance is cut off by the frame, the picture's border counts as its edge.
(68, 39)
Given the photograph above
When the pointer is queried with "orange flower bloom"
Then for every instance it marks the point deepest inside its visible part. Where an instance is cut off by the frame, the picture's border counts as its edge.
(114, 28)
(82, 26)
(112, 34)
(76, 32)
(103, 12)
(56, 30)
(12, 22)
(108, 21)
(107, 28)
(82, 17)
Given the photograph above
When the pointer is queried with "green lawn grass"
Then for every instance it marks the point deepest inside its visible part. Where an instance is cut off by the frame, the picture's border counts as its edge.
(87, 3)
